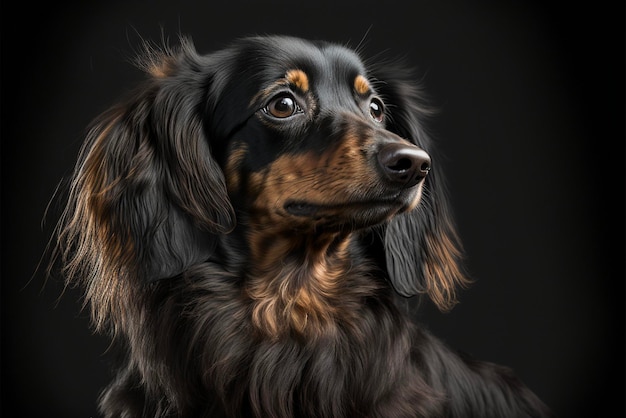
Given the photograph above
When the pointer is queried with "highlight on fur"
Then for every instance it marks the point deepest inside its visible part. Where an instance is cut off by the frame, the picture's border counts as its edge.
(247, 225)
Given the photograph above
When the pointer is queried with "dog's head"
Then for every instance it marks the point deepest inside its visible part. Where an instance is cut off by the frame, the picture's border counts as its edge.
(274, 132)
(310, 151)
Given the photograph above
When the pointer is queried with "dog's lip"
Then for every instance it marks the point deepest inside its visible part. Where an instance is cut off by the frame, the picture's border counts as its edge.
(311, 209)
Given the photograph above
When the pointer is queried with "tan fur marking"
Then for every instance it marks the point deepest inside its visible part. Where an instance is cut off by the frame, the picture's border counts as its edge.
(361, 85)
(442, 271)
(293, 78)
(299, 79)
(233, 165)
(298, 296)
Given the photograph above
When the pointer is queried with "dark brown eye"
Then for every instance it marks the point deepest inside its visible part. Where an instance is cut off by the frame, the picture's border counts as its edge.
(282, 106)
(377, 110)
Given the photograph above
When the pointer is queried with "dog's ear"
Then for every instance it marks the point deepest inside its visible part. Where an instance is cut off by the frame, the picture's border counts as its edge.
(422, 248)
(147, 198)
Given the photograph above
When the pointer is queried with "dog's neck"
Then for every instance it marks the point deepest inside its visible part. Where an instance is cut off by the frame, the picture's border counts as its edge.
(300, 283)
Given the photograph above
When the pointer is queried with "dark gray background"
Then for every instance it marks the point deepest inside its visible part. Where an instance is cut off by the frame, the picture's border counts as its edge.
(531, 123)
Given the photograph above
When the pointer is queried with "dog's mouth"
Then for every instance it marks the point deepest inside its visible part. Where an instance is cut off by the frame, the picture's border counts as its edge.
(357, 213)
(300, 208)
(311, 210)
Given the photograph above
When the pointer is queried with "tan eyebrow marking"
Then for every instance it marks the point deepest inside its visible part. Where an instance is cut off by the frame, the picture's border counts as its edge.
(299, 79)
(361, 85)
(296, 78)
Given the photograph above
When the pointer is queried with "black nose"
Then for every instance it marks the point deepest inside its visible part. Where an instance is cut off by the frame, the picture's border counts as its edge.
(404, 165)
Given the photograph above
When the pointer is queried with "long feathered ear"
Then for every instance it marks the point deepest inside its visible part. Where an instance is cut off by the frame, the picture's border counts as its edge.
(422, 248)
(146, 198)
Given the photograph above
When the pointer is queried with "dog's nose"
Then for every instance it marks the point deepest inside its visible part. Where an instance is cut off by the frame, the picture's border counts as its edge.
(404, 165)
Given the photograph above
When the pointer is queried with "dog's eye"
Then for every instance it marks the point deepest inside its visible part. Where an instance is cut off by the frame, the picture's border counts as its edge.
(282, 106)
(377, 110)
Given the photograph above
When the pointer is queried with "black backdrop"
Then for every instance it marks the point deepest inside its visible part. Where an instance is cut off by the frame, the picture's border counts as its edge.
(531, 123)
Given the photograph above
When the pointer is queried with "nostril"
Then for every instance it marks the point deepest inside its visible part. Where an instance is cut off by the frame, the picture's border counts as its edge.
(402, 164)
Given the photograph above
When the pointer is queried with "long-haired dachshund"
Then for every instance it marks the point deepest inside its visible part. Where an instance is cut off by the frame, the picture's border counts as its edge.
(248, 225)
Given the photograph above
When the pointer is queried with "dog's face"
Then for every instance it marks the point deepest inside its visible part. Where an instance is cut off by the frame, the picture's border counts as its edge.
(305, 143)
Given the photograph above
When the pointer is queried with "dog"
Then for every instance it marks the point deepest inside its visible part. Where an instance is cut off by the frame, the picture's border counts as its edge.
(253, 228)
